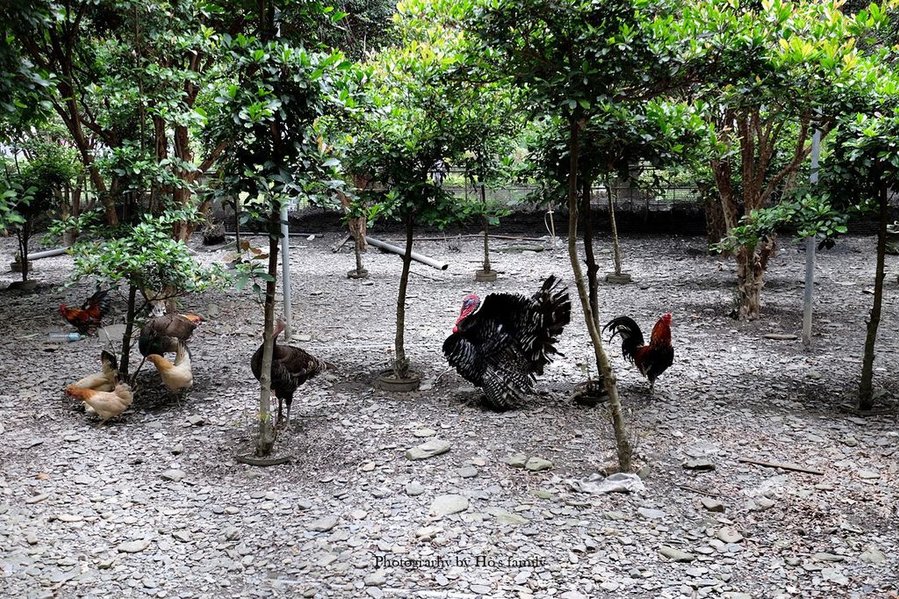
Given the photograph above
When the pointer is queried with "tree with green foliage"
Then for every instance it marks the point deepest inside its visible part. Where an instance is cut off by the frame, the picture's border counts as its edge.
(269, 114)
(144, 259)
(410, 125)
(31, 189)
(570, 59)
(778, 71)
(863, 170)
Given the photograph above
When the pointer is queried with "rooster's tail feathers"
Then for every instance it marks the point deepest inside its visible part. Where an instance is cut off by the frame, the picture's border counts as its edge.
(630, 333)
(100, 299)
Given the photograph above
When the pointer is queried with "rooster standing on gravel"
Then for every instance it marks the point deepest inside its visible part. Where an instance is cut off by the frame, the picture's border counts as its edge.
(653, 359)
(502, 345)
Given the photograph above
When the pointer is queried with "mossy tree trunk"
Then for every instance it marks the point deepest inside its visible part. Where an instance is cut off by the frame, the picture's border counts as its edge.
(602, 360)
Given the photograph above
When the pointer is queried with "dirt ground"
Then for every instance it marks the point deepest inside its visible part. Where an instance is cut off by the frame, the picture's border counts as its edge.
(155, 504)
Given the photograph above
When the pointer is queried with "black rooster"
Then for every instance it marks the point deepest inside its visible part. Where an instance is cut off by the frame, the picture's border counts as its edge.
(291, 367)
(504, 344)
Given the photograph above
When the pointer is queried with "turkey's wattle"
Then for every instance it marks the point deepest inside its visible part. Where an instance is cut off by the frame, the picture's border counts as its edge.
(500, 344)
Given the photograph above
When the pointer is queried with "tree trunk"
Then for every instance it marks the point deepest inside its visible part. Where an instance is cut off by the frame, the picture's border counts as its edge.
(125, 358)
(23, 235)
(866, 388)
(616, 252)
(592, 267)
(602, 360)
(401, 364)
(237, 223)
(483, 197)
(266, 439)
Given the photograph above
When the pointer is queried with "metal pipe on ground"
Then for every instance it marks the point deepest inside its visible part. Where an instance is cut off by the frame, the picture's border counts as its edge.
(47, 253)
(381, 245)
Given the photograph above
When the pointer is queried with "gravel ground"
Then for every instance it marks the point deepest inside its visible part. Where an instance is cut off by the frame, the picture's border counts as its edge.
(155, 505)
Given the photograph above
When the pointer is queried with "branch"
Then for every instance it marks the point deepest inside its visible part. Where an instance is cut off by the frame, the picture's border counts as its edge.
(799, 156)
(210, 160)
(783, 465)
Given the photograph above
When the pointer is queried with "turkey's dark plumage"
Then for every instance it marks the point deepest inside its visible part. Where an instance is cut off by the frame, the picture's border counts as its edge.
(508, 341)
(291, 367)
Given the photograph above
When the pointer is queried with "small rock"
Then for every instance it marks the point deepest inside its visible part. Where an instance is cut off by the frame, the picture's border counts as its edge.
(196, 420)
(323, 524)
(445, 505)
(729, 534)
(424, 432)
(517, 460)
(872, 555)
(835, 575)
(676, 554)
(712, 505)
(536, 464)
(178, 449)
(468, 472)
(828, 557)
(650, 513)
(182, 535)
(173, 475)
(701, 465)
(428, 450)
(376, 579)
(134, 546)
(414, 489)
(868, 474)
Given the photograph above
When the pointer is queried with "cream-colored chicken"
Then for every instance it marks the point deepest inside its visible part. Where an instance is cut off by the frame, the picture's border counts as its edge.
(177, 376)
(106, 379)
(106, 404)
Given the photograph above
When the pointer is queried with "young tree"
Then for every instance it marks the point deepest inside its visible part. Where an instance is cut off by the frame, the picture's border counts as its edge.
(412, 123)
(270, 112)
(570, 58)
(865, 167)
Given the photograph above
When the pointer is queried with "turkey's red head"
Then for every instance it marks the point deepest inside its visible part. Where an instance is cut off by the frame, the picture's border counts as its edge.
(470, 303)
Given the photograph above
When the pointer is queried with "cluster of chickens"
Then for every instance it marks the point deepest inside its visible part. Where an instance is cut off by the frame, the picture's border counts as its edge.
(103, 393)
(499, 344)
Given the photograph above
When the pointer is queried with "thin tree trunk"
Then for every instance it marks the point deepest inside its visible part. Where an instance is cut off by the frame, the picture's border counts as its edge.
(237, 223)
(592, 267)
(23, 236)
(360, 269)
(483, 197)
(602, 360)
(266, 440)
(125, 358)
(616, 252)
(401, 364)
(866, 388)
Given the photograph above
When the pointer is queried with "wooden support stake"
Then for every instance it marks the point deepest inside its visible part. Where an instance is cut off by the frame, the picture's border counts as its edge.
(785, 466)
(342, 243)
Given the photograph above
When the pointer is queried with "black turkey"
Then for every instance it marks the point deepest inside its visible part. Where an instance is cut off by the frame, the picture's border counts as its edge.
(500, 344)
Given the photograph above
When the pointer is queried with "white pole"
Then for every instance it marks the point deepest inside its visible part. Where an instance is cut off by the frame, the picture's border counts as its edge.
(285, 269)
(810, 253)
